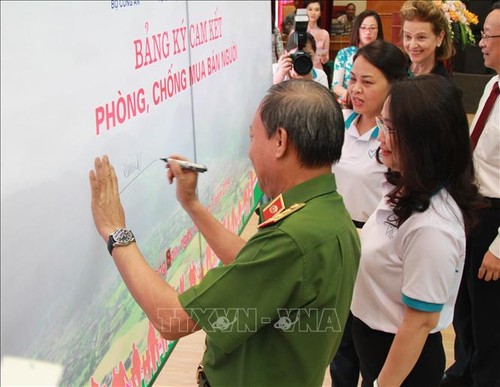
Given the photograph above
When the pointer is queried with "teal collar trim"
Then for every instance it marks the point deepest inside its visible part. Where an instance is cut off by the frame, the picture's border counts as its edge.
(350, 120)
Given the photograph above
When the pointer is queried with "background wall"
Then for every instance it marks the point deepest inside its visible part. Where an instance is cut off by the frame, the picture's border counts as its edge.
(136, 80)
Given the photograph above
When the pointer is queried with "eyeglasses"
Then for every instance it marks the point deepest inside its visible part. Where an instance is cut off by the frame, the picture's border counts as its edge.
(381, 124)
(484, 36)
(369, 29)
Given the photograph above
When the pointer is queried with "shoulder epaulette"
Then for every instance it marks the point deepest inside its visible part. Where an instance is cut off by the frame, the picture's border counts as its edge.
(283, 214)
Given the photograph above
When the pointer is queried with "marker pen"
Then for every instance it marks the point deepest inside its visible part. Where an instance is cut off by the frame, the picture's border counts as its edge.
(187, 165)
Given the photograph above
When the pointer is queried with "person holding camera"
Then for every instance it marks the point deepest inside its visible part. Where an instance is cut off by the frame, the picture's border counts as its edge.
(321, 36)
(297, 64)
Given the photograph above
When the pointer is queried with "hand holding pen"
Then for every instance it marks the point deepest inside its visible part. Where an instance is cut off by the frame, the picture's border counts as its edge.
(181, 169)
(186, 164)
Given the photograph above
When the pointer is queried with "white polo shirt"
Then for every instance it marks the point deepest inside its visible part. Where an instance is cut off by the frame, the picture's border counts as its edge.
(419, 265)
(358, 174)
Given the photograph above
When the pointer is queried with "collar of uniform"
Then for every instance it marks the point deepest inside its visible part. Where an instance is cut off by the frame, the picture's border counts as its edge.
(306, 191)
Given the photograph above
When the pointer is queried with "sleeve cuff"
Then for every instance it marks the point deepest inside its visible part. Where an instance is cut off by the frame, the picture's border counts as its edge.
(207, 319)
(421, 305)
(495, 246)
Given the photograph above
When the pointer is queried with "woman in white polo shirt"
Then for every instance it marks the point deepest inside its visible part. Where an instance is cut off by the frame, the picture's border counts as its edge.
(413, 245)
(358, 174)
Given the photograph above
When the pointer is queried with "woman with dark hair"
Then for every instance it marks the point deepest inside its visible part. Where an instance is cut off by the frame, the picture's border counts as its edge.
(414, 243)
(358, 174)
(426, 37)
(367, 27)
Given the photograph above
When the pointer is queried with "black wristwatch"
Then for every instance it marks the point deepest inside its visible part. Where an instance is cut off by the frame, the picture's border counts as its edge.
(120, 237)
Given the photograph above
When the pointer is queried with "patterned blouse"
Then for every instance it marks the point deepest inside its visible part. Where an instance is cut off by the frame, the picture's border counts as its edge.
(343, 66)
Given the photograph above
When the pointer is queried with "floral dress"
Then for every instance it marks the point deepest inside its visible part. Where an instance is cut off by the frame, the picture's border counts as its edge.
(343, 66)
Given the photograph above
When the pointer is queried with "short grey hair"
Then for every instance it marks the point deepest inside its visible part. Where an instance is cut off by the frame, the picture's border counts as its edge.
(311, 116)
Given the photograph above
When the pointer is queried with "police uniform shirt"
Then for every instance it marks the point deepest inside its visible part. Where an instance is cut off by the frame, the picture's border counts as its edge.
(274, 316)
(419, 265)
(358, 174)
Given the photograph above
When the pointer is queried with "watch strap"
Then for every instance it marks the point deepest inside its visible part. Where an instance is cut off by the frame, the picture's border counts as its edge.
(111, 244)
(116, 238)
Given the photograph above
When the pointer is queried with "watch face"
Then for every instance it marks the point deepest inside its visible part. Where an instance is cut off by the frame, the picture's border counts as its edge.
(123, 236)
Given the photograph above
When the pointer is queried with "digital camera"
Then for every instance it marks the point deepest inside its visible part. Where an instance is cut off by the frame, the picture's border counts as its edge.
(302, 62)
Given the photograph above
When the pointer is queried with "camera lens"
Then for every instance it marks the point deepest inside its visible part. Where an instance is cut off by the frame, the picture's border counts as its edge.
(302, 63)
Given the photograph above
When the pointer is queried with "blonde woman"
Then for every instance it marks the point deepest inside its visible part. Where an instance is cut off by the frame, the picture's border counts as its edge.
(426, 38)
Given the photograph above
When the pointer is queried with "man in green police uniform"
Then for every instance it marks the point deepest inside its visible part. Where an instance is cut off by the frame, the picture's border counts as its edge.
(274, 312)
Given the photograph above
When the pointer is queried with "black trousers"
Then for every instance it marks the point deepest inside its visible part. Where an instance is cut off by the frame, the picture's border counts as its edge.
(344, 368)
(477, 311)
(373, 347)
